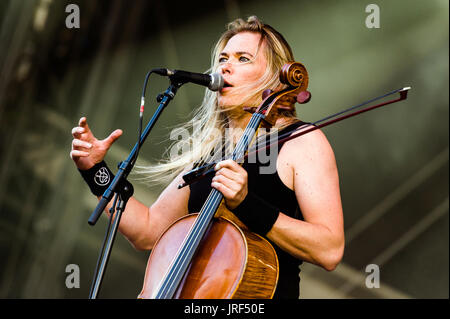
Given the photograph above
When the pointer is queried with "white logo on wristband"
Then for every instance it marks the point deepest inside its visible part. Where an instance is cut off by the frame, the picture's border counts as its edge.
(102, 178)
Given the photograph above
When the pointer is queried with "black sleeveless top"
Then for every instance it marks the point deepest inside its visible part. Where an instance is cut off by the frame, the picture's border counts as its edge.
(263, 180)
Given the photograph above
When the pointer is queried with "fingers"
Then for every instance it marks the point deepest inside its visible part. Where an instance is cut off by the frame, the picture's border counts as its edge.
(239, 177)
(78, 144)
(231, 185)
(75, 154)
(80, 148)
(86, 149)
(226, 191)
(83, 123)
(82, 131)
(231, 181)
(230, 189)
(77, 131)
(112, 137)
(230, 164)
(233, 193)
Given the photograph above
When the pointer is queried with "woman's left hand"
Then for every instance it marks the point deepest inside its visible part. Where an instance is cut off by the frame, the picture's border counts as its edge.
(231, 181)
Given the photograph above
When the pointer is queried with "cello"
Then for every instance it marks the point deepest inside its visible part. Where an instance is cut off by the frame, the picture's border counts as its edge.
(212, 254)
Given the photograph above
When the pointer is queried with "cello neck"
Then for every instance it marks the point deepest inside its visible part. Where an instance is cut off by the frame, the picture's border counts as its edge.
(180, 263)
(295, 76)
(247, 136)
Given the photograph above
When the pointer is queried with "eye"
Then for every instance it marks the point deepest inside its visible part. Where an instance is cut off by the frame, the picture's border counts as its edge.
(244, 59)
(223, 60)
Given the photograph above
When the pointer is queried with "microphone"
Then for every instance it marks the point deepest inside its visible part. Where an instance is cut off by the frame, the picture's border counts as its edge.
(213, 81)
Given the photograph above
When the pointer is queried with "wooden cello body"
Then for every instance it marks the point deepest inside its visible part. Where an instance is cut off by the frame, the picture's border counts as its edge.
(212, 254)
(230, 263)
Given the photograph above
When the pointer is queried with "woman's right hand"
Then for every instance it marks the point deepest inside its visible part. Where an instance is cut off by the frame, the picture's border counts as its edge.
(87, 150)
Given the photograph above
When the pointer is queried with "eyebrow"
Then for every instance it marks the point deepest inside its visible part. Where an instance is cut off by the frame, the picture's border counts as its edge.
(237, 53)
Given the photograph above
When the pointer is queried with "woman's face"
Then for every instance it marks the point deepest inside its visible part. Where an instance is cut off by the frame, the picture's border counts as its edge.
(241, 64)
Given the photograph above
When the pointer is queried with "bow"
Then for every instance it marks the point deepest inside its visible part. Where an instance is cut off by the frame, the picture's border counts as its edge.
(201, 172)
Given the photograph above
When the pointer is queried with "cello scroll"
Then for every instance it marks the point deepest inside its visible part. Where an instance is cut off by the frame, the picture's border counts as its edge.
(295, 76)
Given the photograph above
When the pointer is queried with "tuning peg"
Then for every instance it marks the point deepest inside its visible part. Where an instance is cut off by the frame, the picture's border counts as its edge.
(266, 93)
(303, 97)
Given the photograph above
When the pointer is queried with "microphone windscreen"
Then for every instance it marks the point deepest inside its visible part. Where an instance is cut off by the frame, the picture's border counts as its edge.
(216, 82)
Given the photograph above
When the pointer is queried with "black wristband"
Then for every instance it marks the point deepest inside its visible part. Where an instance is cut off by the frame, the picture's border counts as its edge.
(98, 178)
(257, 214)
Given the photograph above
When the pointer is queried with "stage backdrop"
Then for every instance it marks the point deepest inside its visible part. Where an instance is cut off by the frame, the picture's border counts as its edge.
(393, 162)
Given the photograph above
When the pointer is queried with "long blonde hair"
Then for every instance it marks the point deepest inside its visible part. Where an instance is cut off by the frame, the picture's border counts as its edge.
(205, 141)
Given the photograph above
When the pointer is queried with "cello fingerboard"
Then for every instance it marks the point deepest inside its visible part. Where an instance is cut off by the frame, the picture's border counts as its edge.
(180, 263)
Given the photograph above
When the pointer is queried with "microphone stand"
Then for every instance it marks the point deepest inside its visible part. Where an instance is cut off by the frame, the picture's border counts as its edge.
(123, 193)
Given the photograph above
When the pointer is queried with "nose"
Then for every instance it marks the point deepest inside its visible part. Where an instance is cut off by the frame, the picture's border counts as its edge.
(225, 68)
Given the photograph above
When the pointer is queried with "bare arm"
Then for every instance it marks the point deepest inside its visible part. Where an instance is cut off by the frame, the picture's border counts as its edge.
(319, 239)
(140, 224)
(143, 225)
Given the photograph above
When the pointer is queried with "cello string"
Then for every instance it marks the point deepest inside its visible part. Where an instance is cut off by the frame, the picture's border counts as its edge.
(203, 218)
(190, 241)
(213, 201)
(210, 203)
(168, 278)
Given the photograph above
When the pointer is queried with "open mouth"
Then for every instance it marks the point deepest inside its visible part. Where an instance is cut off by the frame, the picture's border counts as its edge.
(226, 85)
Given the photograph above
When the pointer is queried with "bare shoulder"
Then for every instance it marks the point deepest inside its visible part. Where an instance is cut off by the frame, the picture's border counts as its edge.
(306, 155)
(314, 178)
(311, 147)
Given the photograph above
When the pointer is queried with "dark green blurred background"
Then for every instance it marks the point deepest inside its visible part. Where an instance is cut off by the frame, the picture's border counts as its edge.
(393, 162)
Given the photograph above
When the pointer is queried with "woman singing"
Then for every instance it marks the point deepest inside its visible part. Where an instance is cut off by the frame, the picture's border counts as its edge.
(297, 207)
